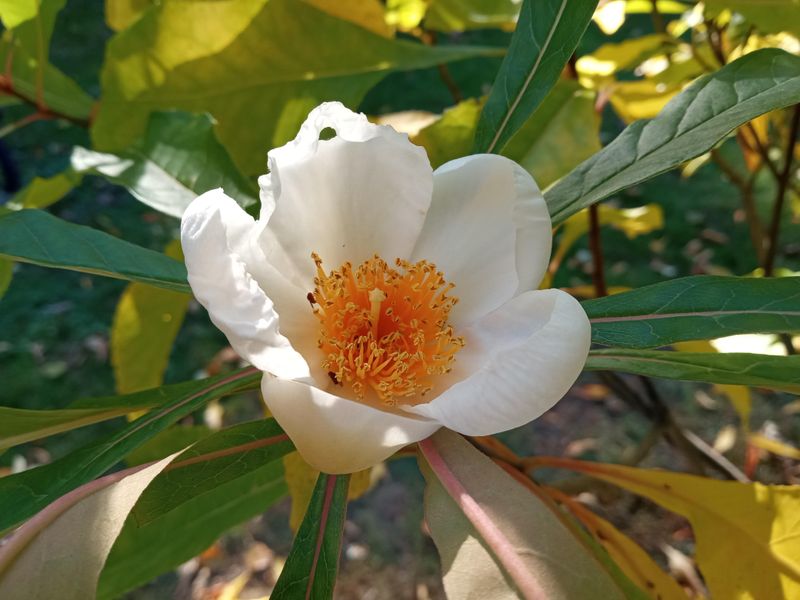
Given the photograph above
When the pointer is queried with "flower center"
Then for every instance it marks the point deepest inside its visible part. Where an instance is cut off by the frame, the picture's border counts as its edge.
(385, 328)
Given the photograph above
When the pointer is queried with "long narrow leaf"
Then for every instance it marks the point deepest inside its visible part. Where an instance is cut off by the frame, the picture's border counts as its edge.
(774, 372)
(37, 237)
(24, 494)
(695, 308)
(310, 570)
(546, 35)
(691, 124)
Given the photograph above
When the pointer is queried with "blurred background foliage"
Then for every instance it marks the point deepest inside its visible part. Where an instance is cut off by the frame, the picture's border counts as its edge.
(118, 118)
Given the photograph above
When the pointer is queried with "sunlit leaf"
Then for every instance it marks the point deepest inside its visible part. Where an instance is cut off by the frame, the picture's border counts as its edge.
(768, 17)
(546, 35)
(121, 14)
(178, 159)
(211, 462)
(310, 569)
(462, 15)
(37, 237)
(231, 60)
(748, 534)
(368, 14)
(19, 425)
(452, 135)
(773, 372)
(688, 126)
(146, 323)
(610, 16)
(702, 307)
(24, 494)
(42, 192)
(70, 539)
(495, 539)
(144, 552)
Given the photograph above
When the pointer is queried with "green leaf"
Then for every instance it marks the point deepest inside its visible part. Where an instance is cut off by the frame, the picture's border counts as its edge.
(211, 462)
(695, 308)
(42, 192)
(146, 323)
(143, 552)
(121, 14)
(18, 425)
(760, 370)
(461, 15)
(24, 494)
(231, 60)
(6, 273)
(688, 126)
(178, 159)
(24, 52)
(175, 439)
(497, 540)
(556, 138)
(547, 33)
(774, 16)
(71, 539)
(562, 132)
(37, 237)
(310, 569)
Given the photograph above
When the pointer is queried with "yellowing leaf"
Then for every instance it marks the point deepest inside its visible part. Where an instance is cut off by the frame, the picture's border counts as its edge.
(301, 478)
(741, 399)
(774, 446)
(405, 15)
(121, 14)
(768, 16)
(644, 99)
(627, 554)
(364, 13)
(146, 321)
(461, 15)
(748, 534)
(451, 136)
(610, 58)
(610, 16)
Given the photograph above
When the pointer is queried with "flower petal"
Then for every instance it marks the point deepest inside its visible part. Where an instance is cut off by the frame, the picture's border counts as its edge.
(365, 191)
(487, 230)
(520, 360)
(217, 238)
(336, 435)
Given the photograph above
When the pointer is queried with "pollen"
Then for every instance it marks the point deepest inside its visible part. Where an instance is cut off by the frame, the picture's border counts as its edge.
(385, 329)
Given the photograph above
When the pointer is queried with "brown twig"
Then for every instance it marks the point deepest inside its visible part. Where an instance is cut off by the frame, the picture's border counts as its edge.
(657, 17)
(429, 39)
(43, 111)
(595, 245)
(783, 182)
(745, 187)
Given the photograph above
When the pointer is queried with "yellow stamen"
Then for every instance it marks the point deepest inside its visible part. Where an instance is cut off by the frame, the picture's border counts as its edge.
(384, 328)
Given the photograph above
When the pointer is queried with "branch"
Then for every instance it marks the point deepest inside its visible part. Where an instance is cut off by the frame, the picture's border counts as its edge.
(783, 183)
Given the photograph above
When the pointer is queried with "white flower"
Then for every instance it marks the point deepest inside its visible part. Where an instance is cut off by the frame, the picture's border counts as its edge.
(361, 354)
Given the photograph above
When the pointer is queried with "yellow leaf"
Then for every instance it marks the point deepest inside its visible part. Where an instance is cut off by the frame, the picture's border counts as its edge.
(450, 136)
(461, 15)
(121, 14)
(610, 58)
(145, 324)
(644, 99)
(405, 15)
(774, 446)
(301, 477)
(748, 534)
(610, 16)
(741, 399)
(627, 554)
(368, 14)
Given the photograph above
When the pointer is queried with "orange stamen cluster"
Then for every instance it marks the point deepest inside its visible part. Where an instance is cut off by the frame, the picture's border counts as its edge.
(385, 328)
